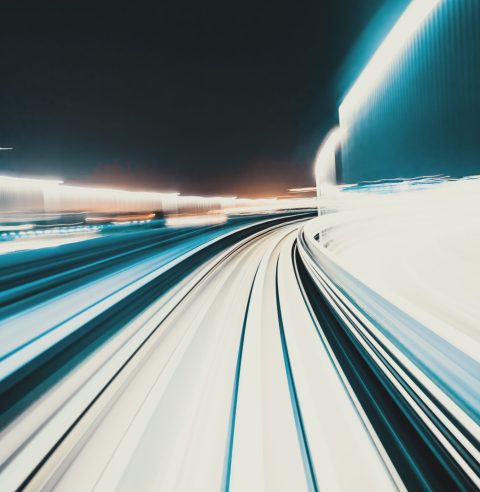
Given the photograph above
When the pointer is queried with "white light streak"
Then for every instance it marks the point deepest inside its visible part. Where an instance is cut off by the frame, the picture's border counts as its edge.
(33, 181)
(411, 21)
(18, 227)
(196, 220)
(325, 172)
(307, 189)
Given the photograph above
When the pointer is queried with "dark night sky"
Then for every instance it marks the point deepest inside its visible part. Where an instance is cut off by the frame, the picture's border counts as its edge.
(199, 97)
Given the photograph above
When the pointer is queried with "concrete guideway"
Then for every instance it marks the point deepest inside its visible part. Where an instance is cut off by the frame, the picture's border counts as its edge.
(254, 372)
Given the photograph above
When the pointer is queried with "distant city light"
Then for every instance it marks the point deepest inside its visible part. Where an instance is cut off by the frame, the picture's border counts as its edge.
(36, 198)
(307, 189)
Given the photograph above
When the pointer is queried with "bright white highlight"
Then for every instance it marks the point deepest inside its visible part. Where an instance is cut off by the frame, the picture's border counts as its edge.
(16, 227)
(411, 21)
(196, 220)
(325, 160)
(325, 164)
(30, 181)
(307, 189)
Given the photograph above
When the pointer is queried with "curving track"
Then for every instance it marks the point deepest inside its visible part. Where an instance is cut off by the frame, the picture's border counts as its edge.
(236, 365)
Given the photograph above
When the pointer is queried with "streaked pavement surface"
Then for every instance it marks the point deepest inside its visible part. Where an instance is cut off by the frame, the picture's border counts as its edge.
(233, 363)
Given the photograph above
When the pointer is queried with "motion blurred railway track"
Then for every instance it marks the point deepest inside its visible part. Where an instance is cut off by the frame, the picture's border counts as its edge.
(239, 365)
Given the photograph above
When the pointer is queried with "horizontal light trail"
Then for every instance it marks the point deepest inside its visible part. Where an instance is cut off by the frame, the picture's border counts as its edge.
(40, 200)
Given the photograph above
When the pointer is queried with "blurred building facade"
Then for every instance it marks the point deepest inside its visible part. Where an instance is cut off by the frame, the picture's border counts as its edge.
(415, 108)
